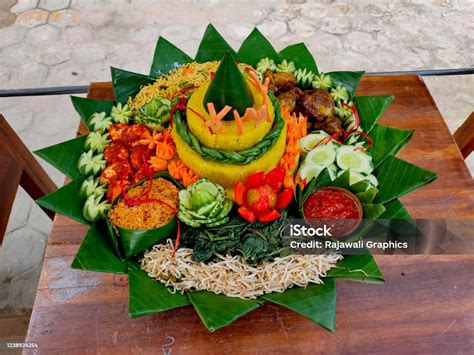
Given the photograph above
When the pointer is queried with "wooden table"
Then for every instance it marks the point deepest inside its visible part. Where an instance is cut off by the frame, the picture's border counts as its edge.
(425, 306)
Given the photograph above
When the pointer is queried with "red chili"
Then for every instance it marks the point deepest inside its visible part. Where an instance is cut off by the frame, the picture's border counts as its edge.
(178, 237)
(354, 111)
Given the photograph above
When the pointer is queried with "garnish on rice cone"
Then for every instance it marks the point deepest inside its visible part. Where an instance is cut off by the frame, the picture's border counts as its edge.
(229, 88)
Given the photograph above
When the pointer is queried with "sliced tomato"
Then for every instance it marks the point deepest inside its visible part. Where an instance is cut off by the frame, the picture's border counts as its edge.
(275, 178)
(284, 198)
(268, 216)
(255, 179)
(247, 214)
(239, 191)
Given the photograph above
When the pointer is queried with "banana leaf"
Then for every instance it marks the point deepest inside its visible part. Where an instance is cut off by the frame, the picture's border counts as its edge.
(348, 79)
(398, 178)
(387, 141)
(368, 195)
(64, 156)
(301, 56)
(395, 210)
(95, 253)
(256, 47)
(147, 296)
(65, 201)
(217, 311)
(127, 83)
(229, 88)
(167, 58)
(213, 46)
(399, 218)
(133, 242)
(373, 210)
(315, 302)
(362, 268)
(370, 109)
(86, 107)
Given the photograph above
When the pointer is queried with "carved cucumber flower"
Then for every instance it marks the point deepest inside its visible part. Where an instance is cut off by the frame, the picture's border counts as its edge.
(121, 113)
(99, 121)
(322, 81)
(96, 142)
(155, 113)
(340, 93)
(343, 111)
(204, 203)
(94, 209)
(264, 64)
(285, 66)
(303, 77)
(89, 164)
(91, 186)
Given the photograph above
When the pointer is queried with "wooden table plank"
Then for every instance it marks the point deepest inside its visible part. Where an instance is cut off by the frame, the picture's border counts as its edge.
(426, 305)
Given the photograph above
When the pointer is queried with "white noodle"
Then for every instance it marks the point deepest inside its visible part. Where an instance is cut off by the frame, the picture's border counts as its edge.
(230, 275)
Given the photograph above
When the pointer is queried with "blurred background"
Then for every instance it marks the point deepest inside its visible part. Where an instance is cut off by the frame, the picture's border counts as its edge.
(74, 42)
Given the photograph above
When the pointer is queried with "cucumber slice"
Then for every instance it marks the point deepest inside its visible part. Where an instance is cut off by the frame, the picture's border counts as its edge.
(309, 142)
(310, 172)
(332, 170)
(355, 177)
(349, 159)
(373, 180)
(323, 154)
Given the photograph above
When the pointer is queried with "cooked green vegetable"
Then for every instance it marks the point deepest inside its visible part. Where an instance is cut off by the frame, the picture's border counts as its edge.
(285, 66)
(99, 121)
(121, 113)
(155, 113)
(92, 186)
(322, 81)
(96, 142)
(256, 241)
(203, 203)
(264, 64)
(340, 93)
(94, 209)
(89, 164)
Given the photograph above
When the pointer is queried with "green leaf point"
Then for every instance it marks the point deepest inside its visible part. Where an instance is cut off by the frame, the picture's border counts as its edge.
(229, 88)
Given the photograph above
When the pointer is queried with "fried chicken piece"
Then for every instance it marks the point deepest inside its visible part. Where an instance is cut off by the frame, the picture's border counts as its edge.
(318, 103)
(290, 98)
(271, 85)
(331, 125)
(284, 81)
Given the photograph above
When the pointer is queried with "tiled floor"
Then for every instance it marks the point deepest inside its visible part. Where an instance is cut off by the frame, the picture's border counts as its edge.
(74, 42)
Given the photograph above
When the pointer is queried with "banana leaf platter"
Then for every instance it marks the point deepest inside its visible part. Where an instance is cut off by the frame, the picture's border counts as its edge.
(102, 251)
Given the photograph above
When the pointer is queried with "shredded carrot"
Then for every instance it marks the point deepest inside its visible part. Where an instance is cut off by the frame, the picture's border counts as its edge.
(215, 118)
(295, 129)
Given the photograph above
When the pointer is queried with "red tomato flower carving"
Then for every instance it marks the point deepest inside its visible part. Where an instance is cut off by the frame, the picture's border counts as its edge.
(262, 196)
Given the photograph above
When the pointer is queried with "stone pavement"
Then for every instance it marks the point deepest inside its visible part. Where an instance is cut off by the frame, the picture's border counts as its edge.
(74, 42)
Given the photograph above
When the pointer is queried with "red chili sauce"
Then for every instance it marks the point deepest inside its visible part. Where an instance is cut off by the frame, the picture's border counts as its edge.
(334, 207)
